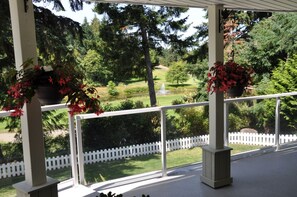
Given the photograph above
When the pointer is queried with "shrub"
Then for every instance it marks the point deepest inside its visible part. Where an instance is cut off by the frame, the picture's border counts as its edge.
(10, 152)
(118, 131)
(112, 91)
(187, 121)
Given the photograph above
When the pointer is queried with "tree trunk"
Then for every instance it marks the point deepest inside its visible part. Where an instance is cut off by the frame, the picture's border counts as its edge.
(149, 70)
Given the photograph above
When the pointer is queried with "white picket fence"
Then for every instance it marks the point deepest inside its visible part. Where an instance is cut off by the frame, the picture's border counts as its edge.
(18, 168)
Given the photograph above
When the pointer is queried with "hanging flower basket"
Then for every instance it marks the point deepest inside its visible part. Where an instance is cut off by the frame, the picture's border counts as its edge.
(47, 93)
(51, 84)
(230, 78)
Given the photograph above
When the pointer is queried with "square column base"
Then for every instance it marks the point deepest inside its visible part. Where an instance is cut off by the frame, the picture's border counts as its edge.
(49, 189)
(216, 167)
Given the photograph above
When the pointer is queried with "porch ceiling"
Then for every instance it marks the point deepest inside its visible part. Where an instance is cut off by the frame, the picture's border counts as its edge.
(255, 5)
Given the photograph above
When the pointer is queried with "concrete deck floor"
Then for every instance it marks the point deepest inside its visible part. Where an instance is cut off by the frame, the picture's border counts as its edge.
(272, 174)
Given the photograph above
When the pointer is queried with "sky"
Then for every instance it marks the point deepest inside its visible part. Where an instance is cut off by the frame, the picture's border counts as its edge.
(196, 15)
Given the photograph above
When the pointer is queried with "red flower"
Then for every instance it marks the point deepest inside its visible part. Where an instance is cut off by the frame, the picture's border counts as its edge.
(221, 77)
(80, 97)
(37, 67)
(50, 79)
(62, 82)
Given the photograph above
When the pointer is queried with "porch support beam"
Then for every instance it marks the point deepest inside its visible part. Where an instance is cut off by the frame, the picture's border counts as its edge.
(36, 183)
(216, 157)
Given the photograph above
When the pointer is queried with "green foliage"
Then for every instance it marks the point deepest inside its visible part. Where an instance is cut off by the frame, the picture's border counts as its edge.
(177, 73)
(6, 49)
(241, 115)
(58, 38)
(118, 131)
(244, 22)
(111, 86)
(187, 122)
(271, 40)
(168, 57)
(199, 70)
(283, 79)
(131, 32)
(94, 70)
(56, 146)
(10, 152)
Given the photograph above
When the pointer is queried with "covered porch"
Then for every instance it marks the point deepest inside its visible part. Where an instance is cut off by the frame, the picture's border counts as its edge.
(216, 165)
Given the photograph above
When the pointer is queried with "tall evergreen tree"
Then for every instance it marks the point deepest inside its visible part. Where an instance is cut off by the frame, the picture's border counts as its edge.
(237, 25)
(270, 41)
(135, 30)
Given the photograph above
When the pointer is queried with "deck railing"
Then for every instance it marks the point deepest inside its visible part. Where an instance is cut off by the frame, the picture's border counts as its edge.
(75, 131)
(162, 111)
(104, 155)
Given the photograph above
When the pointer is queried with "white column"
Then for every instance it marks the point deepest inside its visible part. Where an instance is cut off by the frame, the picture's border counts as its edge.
(24, 40)
(216, 157)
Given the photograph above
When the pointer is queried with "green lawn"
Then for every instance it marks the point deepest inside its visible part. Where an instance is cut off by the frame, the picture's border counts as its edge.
(126, 167)
(162, 100)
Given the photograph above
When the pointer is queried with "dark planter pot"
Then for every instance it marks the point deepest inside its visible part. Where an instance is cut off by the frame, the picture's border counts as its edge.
(47, 93)
(235, 91)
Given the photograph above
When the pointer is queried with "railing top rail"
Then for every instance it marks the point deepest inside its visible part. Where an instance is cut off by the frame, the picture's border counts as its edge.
(53, 107)
(260, 97)
(185, 105)
(4, 113)
(118, 113)
(154, 109)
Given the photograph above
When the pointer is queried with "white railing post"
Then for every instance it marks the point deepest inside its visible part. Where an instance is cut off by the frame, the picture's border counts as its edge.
(277, 122)
(226, 124)
(163, 142)
(73, 149)
(80, 154)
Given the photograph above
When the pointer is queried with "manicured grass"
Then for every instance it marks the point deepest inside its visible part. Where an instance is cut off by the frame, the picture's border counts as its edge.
(6, 188)
(142, 164)
(159, 79)
(162, 100)
(126, 167)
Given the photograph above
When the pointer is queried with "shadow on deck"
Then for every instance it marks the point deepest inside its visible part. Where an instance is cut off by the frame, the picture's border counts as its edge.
(263, 173)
